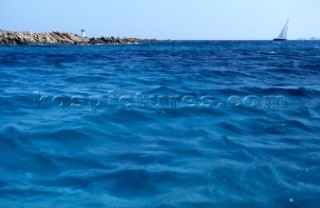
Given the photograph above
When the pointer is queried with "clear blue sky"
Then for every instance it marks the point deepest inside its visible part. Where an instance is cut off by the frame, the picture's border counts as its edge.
(175, 19)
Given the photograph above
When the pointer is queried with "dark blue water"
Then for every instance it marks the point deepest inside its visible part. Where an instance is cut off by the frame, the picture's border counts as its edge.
(180, 124)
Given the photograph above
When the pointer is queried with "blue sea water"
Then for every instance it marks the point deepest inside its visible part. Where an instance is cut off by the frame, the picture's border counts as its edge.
(164, 125)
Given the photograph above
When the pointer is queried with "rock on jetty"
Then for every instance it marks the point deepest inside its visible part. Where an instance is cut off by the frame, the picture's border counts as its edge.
(28, 38)
(60, 38)
(113, 40)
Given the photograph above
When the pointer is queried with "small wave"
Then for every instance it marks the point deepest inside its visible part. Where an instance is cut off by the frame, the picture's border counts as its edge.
(301, 92)
(163, 90)
(266, 52)
(84, 79)
(227, 73)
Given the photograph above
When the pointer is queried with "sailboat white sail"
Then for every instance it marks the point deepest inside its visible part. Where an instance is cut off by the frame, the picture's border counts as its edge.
(283, 34)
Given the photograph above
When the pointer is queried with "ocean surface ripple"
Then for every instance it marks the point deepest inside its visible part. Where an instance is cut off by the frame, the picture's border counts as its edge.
(179, 124)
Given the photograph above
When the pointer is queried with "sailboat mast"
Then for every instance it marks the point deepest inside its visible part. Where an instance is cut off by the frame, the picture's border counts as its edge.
(286, 31)
(283, 34)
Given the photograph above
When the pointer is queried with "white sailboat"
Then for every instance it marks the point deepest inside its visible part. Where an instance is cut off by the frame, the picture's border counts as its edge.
(283, 34)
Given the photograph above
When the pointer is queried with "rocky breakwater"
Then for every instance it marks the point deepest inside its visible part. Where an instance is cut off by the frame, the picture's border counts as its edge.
(60, 38)
(29, 38)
